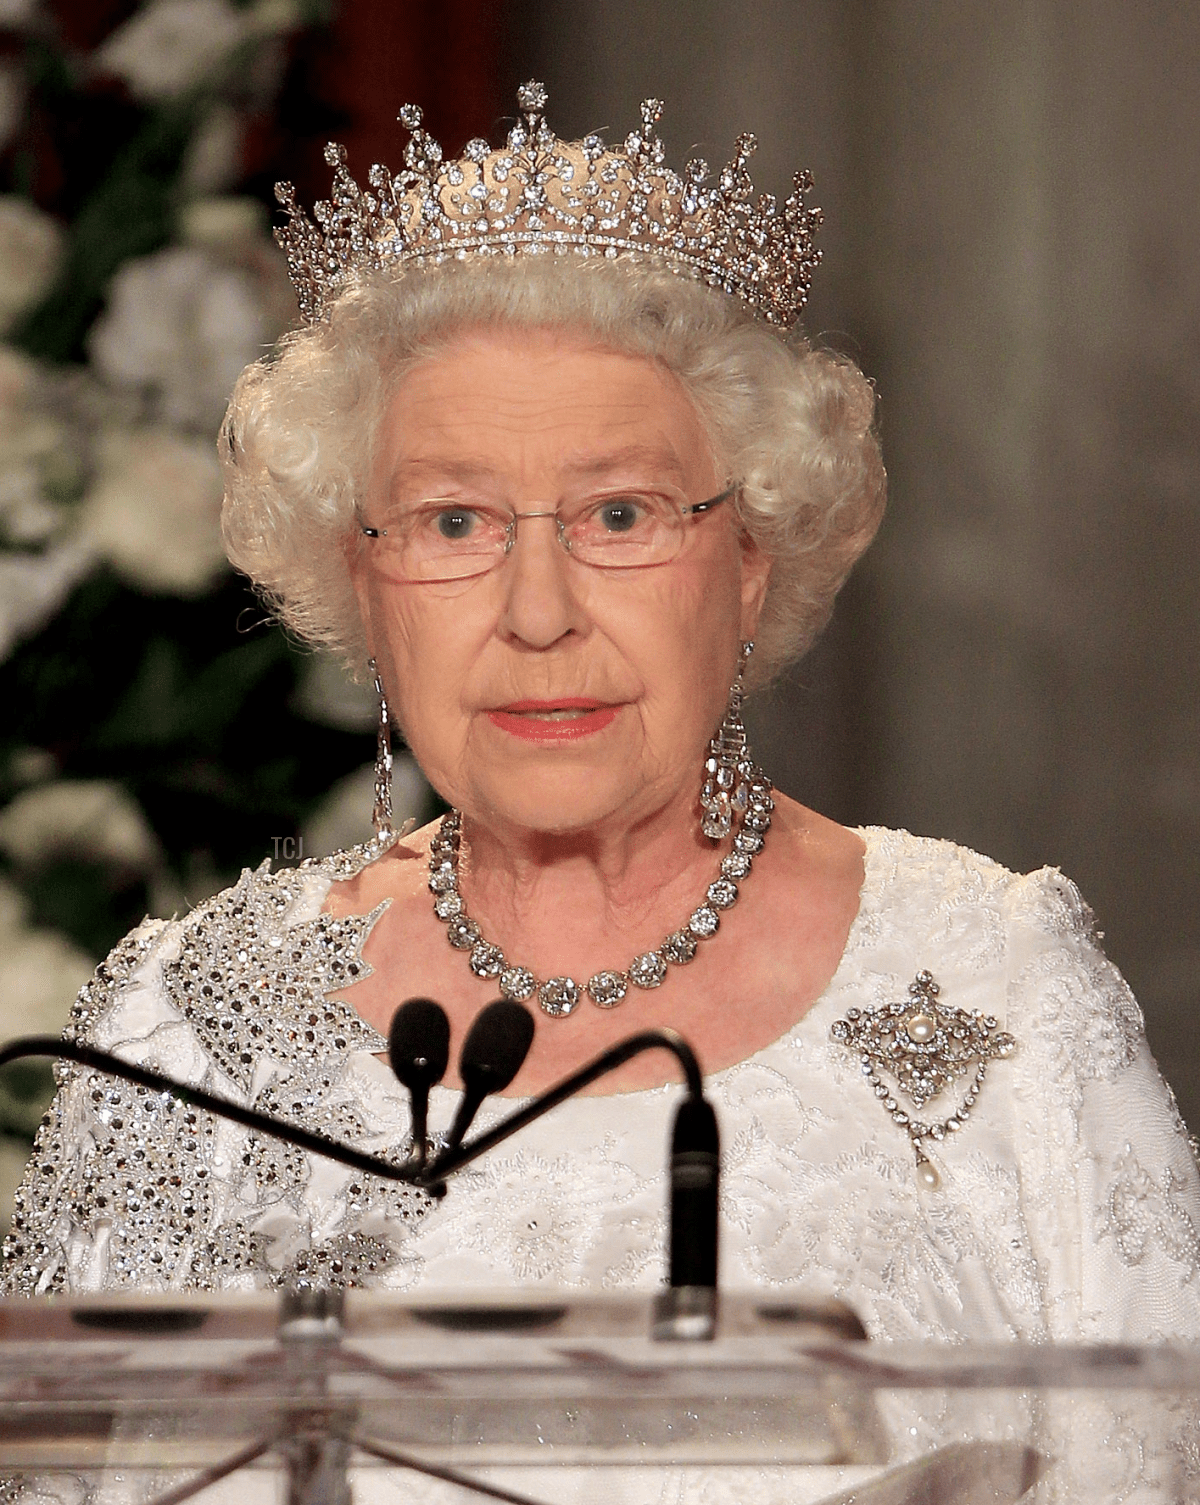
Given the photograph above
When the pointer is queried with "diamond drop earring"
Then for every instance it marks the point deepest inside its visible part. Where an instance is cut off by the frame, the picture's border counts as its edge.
(381, 816)
(724, 787)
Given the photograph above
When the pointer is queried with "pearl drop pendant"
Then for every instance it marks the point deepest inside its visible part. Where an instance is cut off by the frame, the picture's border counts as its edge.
(927, 1173)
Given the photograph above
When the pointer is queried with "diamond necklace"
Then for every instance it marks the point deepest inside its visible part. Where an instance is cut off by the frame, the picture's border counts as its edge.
(560, 996)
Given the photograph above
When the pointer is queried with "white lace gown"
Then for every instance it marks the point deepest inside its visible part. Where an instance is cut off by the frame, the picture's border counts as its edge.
(1068, 1207)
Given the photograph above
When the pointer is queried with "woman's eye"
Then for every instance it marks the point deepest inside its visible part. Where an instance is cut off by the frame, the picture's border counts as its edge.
(455, 523)
(620, 515)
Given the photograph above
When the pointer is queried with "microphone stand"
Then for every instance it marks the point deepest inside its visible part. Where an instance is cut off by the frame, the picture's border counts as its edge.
(196, 1097)
(686, 1309)
(431, 1177)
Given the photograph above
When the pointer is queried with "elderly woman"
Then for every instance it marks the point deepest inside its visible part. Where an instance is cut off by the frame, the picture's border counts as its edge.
(545, 464)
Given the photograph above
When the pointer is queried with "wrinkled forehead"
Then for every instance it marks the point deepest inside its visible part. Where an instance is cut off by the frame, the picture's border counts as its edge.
(540, 406)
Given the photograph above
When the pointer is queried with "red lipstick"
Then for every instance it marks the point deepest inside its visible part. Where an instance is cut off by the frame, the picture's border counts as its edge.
(564, 720)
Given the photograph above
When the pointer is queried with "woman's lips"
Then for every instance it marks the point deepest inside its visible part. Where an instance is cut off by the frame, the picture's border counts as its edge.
(553, 720)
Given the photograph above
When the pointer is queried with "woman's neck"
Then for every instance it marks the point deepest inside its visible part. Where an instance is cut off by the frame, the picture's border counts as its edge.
(565, 897)
(776, 950)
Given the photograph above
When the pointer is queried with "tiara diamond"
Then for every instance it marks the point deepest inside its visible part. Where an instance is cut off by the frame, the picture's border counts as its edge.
(539, 195)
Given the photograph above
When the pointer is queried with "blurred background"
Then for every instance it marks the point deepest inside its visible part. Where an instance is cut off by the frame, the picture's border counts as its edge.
(1012, 200)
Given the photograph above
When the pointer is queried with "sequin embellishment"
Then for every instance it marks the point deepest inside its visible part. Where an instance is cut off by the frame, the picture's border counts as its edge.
(254, 985)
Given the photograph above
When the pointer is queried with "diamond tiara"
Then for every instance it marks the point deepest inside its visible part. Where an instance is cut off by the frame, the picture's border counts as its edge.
(539, 195)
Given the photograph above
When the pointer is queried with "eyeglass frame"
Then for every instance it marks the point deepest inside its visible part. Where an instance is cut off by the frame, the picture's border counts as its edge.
(692, 509)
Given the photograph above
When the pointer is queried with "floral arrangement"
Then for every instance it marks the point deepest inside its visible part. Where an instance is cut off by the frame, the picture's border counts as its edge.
(159, 732)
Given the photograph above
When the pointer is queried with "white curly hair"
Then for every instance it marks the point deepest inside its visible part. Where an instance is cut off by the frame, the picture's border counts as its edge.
(793, 425)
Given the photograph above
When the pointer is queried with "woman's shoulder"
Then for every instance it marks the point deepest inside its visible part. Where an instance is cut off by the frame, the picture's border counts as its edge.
(263, 942)
(940, 879)
(1028, 940)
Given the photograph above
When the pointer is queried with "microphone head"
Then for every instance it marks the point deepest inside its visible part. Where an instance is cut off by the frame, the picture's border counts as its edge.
(419, 1043)
(496, 1046)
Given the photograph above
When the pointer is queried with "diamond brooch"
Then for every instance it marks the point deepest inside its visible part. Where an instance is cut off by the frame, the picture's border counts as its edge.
(924, 1046)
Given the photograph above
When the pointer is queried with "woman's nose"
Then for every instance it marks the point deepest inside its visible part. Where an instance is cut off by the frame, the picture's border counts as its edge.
(540, 604)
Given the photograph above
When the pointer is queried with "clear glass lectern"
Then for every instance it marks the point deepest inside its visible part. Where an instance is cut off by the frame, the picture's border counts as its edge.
(315, 1398)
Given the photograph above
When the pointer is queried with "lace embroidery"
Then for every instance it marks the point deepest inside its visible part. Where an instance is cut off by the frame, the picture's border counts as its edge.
(814, 1191)
(535, 1232)
(1186, 1441)
(817, 1189)
(1054, 904)
(1088, 1021)
(1141, 1214)
(943, 898)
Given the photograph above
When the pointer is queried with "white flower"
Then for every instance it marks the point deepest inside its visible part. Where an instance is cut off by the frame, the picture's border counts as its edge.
(181, 326)
(154, 510)
(32, 445)
(34, 586)
(169, 45)
(14, 13)
(31, 246)
(214, 156)
(271, 17)
(226, 220)
(18, 376)
(13, 911)
(41, 971)
(344, 819)
(34, 448)
(25, 516)
(28, 434)
(30, 765)
(92, 818)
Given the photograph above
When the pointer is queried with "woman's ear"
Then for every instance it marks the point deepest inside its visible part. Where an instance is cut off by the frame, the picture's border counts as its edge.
(360, 581)
(756, 574)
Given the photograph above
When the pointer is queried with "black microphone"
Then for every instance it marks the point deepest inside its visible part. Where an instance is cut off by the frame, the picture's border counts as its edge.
(419, 1049)
(492, 1054)
(687, 1309)
(695, 1176)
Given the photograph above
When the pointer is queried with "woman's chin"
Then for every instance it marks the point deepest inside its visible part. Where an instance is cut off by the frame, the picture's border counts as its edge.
(559, 803)
(564, 786)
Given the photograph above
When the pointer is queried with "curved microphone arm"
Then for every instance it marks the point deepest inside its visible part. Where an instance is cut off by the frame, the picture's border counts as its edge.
(606, 1061)
(196, 1097)
(430, 1177)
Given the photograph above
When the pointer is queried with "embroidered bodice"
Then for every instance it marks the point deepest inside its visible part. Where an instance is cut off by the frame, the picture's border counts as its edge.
(1068, 1206)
